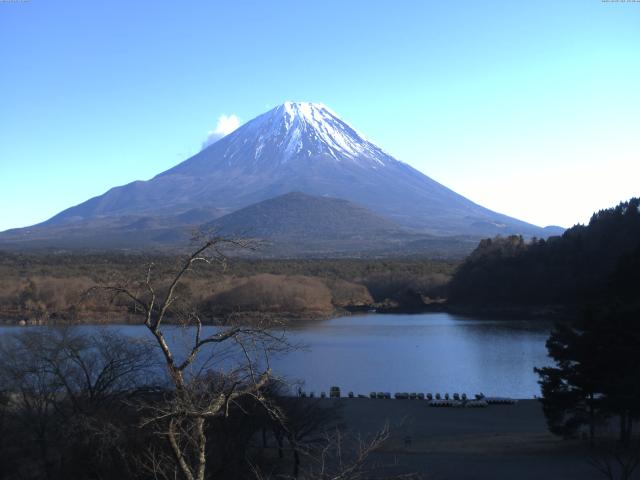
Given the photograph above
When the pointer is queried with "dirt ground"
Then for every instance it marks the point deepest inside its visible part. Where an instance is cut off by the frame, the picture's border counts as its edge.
(497, 442)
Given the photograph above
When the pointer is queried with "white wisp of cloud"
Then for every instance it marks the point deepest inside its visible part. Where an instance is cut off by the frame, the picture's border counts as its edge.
(226, 125)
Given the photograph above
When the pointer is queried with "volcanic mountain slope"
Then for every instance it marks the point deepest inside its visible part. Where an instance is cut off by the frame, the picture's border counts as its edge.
(299, 216)
(290, 225)
(300, 225)
(300, 147)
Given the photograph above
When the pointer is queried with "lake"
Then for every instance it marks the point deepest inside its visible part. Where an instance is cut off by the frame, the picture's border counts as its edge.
(434, 352)
(431, 352)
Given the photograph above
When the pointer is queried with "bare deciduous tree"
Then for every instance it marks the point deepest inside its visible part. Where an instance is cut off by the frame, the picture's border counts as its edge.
(616, 462)
(196, 397)
(334, 455)
(336, 462)
(59, 382)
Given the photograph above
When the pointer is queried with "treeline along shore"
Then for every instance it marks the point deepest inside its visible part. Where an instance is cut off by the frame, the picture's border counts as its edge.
(61, 288)
(79, 405)
(587, 266)
(504, 276)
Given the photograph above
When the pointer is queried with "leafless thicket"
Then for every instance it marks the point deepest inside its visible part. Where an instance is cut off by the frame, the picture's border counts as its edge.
(230, 368)
(238, 356)
(616, 462)
(63, 393)
(337, 456)
(188, 402)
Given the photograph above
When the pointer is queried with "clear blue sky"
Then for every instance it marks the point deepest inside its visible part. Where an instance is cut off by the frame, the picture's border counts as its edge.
(529, 108)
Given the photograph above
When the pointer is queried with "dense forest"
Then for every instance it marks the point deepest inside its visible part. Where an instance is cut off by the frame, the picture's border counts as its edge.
(592, 275)
(53, 288)
(573, 270)
(596, 376)
(99, 404)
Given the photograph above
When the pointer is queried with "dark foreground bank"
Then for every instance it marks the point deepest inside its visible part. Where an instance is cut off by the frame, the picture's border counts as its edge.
(497, 442)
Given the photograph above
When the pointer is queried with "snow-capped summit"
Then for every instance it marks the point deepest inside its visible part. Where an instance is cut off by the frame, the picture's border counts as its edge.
(316, 126)
(302, 147)
(305, 130)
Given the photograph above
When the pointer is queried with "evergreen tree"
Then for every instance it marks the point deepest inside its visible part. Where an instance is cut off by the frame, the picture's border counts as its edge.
(597, 372)
(571, 396)
(566, 271)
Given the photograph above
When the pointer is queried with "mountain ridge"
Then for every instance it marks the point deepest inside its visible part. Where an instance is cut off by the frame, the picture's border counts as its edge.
(296, 147)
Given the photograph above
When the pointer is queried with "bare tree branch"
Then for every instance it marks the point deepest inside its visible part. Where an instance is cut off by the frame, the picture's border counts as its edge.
(195, 400)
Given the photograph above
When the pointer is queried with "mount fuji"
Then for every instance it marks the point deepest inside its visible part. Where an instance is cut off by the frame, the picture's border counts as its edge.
(295, 147)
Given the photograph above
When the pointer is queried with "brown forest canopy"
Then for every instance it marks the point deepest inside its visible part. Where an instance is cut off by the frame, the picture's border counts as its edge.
(39, 287)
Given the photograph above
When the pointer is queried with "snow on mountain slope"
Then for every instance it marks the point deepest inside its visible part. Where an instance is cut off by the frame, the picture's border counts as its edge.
(314, 121)
(294, 131)
(303, 147)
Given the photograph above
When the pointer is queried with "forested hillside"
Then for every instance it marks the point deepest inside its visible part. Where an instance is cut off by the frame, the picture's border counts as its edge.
(45, 288)
(577, 268)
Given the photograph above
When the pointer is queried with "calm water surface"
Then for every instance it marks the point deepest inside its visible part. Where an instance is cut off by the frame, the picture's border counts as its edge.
(434, 352)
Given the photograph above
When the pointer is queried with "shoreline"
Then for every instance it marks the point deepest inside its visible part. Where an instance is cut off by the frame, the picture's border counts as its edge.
(239, 318)
(286, 319)
(499, 442)
(516, 312)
